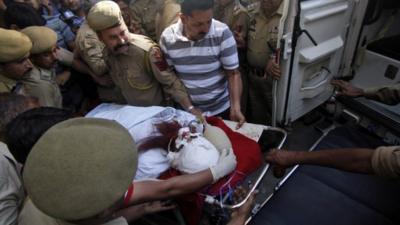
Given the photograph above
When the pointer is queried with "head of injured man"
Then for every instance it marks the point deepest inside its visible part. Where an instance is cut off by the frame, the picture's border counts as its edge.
(196, 17)
(190, 148)
(80, 169)
(106, 19)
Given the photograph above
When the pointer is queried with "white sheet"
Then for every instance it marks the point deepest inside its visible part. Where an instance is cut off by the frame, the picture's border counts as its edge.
(139, 122)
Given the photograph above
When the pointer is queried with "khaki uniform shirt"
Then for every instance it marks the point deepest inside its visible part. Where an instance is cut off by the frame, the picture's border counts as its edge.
(262, 30)
(143, 75)
(167, 15)
(389, 95)
(386, 161)
(234, 15)
(41, 84)
(144, 12)
(30, 215)
(11, 191)
(91, 51)
(7, 84)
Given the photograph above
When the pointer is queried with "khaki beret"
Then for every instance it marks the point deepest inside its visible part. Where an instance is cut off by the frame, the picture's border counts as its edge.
(14, 45)
(103, 15)
(43, 38)
(80, 167)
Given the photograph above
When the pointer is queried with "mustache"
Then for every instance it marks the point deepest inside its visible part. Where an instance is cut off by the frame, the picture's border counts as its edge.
(120, 46)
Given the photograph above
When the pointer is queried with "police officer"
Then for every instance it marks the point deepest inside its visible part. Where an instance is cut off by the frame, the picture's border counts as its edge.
(14, 60)
(77, 189)
(41, 81)
(144, 12)
(137, 65)
(262, 40)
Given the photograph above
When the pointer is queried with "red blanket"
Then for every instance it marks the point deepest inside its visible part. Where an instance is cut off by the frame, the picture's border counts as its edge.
(249, 158)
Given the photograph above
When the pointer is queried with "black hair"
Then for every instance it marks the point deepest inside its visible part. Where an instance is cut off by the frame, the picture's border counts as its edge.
(23, 15)
(188, 6)
(24, 131)
(11, 106)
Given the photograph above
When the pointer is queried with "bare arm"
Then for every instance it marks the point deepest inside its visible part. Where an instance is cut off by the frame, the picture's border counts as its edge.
(184, 184)
(135, 212)
(353, 160)
(163, 189)
(235, 93)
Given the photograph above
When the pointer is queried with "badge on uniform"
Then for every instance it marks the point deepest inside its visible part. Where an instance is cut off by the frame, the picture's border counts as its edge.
(159, 60)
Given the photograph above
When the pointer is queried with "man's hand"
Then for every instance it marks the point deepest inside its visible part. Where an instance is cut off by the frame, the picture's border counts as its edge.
(280, 160)
(225, 165)
(63, 77)
(158, 206)
(236, 115)
(240, 215)
(347, 89)
(273, 69)
(239, 37)
(199, 114)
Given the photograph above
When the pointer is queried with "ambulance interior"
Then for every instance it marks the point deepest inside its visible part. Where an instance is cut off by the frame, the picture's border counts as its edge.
(321, 40)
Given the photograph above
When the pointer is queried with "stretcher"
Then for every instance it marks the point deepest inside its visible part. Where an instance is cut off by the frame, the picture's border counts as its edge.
(255, 132)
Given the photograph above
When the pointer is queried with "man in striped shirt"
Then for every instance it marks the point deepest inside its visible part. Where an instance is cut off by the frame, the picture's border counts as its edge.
(204, 54)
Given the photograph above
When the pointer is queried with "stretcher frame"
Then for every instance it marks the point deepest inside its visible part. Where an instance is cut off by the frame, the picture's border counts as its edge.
(211, 200)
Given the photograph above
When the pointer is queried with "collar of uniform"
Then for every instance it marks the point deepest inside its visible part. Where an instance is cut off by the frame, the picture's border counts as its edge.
(39, 71)
(178, 30)
(10, 83)
(6, 153)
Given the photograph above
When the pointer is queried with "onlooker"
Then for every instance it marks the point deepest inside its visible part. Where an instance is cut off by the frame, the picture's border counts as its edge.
(263, 65)
(65, 36)
(12, 193)
(204, 54)
(136, 63)
(41, 81)
(14, 60)
(20, 15)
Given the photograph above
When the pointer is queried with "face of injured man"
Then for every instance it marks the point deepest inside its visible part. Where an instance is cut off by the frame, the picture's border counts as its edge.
(193, 152)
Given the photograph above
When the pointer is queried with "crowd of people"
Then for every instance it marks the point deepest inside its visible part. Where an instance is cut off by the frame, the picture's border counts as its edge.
(59, 59)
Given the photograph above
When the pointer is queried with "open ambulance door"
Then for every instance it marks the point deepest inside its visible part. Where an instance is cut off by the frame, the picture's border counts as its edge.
(312, 46)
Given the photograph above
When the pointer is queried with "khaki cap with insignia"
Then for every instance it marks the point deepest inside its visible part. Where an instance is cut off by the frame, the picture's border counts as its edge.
(14, 45)
(43, 38)
(80, 167)
(103, 15)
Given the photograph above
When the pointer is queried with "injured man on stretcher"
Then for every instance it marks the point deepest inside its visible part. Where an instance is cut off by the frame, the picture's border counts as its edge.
(191, 157)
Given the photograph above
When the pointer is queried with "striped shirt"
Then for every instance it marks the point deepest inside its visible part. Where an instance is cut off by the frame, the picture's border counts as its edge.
(201, 64)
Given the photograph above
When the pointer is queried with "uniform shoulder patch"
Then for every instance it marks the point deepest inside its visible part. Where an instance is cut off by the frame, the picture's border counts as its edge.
(158, 59)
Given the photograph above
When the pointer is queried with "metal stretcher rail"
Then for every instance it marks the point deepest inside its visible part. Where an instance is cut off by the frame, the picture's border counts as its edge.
(211, 200)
